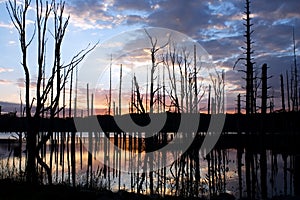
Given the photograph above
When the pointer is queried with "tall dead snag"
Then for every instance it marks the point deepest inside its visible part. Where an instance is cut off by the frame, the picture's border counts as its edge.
(295, 93)
(249, 63)
(248, 60)
(139, 105)
(109, 95)
(153, 50)
(180, 62)
(208, 100)
(186, 64)
(263, 157)
(195, 80)
(88, 99)
(18, 15)
(282, 93)
(264, 95)
(249, 88)
(75, 98)
(288, 91)
(239, 104)
(169, 61)
(218, 85)
(120, 91)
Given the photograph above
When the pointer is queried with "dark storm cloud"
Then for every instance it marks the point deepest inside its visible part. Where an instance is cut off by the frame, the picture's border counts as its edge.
(184, 16)
(132, 5)
(134, 19)
(278, 9)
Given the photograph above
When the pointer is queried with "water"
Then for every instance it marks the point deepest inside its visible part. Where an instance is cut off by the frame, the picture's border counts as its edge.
(222, 170)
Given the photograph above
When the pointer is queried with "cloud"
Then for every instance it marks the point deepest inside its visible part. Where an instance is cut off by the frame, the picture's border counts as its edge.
(5, 82)
(216, 25)
(12, 42)
(6, 70)
(108, 14)
(133, 5)
(21, 83)
(89, 14)
(6, 25)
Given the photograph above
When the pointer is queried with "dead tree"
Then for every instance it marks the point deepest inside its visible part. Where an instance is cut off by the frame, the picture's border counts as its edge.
(153, 50)
(170, 62)
(288, 91)
(264, 95)
(208, 99)
(139, 105)
(120, 91)
(282, 93)
(18, 15)
(295, 93)
(218, 87)
(263, 157)
(186, 62)
(248, 60)
(249, 63)
(195, 80)
(249, 88)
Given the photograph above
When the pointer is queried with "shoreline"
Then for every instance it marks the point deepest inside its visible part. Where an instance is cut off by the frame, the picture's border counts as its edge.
(13, 189)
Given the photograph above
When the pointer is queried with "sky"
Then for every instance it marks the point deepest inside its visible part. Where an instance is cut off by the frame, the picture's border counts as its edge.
(216, 25)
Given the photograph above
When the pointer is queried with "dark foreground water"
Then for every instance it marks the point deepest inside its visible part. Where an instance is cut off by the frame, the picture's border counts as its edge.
(128, 167)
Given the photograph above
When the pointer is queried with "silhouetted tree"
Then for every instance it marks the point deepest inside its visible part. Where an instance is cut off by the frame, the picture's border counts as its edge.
(282, 93)
(153, 50)
(218, 84)
(295, 93)
(248, 59)
(18, 15)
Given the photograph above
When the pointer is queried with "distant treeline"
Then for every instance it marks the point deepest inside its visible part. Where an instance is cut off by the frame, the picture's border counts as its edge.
(285, 122)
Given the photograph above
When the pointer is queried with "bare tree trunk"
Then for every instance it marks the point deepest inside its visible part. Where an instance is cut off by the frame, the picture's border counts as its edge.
(195, 81)
(120, 92)
(239, 104)
(249, 64)
(208, 100)
(282, 93)
(296, 74)
(87, 99)
(288, 91)
(71, 90)
(18, 17)
(109, 95)
(264, 89)
(154, 49)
